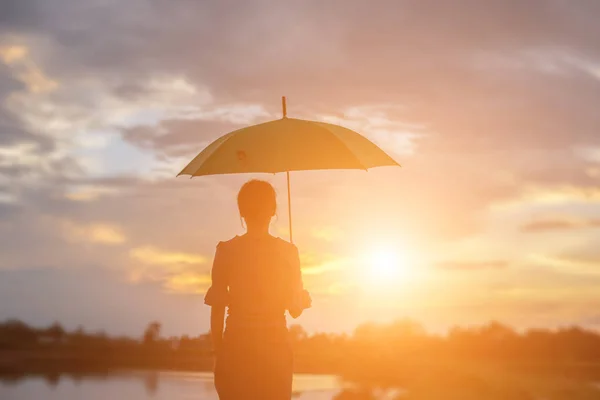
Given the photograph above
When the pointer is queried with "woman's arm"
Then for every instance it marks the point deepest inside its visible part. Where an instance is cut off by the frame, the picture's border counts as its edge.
(295, 311)
(301, 302)
(218, 297)
(217, 317)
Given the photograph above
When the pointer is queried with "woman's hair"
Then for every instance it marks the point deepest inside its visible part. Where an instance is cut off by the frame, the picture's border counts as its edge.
(256, 199)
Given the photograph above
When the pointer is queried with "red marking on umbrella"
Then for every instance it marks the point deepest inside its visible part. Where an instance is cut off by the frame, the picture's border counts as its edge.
(241, 155)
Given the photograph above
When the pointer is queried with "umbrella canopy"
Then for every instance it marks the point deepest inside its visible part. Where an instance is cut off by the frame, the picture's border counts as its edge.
(285, 145)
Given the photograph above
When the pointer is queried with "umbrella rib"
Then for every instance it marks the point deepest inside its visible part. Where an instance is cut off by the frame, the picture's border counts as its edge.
(225, 139)
(347, 148)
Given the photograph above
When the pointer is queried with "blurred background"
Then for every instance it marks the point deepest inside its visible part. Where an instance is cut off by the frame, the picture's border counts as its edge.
(475, 265)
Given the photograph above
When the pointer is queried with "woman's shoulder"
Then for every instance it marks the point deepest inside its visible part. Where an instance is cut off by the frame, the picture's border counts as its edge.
(286, 246)
(224, 244)
(277, 243)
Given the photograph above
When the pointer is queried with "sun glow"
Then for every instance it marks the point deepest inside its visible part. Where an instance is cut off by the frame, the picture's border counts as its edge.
(386, 265)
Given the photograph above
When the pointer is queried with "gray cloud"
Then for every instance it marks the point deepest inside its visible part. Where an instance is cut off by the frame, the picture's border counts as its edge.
(418, 53)
(12, 130)
(506, 81)
(178, 137)
(480, 88)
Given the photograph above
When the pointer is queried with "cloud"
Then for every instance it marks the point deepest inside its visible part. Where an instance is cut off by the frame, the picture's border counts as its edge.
(472, 265)
(327, 233)
(393, 92)
(12, 54)
(88, 192)
(13, 130)
(176, 272)
(550, 195)
(188, 283)
(559, 224)
(95, 233)
(593, 172)
(96, 300)
(59, 242)
(179, 137)
(16, 58)
(313, 263)
(315, 61)
(374, 121)
(154, 256)
(100, 102)
(580, 263)
(593, 320)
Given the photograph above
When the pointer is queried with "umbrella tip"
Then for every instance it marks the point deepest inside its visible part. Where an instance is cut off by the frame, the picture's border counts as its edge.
(284, 106)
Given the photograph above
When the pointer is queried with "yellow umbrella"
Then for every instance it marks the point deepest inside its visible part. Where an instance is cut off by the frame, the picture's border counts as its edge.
(285, 145)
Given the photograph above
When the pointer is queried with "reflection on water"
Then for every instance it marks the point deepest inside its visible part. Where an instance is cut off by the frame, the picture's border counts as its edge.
(193, 385)
(146, 385)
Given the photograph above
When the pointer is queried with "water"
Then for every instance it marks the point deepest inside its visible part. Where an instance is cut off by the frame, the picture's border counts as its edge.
(148, 385)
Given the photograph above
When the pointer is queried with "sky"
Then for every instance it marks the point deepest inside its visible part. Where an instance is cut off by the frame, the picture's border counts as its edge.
(491, 108)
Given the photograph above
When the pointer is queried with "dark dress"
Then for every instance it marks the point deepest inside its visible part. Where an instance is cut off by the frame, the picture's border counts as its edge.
(258, 279)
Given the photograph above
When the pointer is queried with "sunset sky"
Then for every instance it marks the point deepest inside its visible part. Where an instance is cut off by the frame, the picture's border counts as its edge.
(491, 107)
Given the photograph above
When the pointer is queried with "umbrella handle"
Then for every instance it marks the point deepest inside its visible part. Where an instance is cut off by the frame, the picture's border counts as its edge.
(284, 110)
(289, 205)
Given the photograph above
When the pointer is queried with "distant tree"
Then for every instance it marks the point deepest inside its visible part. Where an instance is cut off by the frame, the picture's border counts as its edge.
(297, 334)
(55, 332)
(185, 342)
(152, 332)
(495, 331)
(407, 328)
(174, 342)
(17, 333)
(78, 337)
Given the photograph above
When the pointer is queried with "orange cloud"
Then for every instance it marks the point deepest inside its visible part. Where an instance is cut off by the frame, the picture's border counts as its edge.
(556, 195)
(176, 271)
(593, 172)
(12, 54)
(17, 58)
(472, 265)
(572, 264)
(327, 233)
(313, 264)
(97, 233)
(153, 256)
(88, 193)
(560, 224)
(176, 279)
(187, 283)
(35, 79)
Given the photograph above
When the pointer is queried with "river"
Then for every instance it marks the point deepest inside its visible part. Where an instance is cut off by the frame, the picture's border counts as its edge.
(147, 385)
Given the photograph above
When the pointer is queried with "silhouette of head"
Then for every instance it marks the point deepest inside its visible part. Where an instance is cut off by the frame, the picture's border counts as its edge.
(256, 202)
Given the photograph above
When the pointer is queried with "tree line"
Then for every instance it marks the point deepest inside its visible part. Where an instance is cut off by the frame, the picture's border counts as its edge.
(380, 351)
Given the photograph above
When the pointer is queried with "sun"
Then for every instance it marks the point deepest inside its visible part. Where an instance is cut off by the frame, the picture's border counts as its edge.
(383, 264)
(386, 265)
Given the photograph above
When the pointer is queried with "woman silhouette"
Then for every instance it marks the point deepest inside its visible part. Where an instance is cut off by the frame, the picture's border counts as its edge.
(257, 278)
